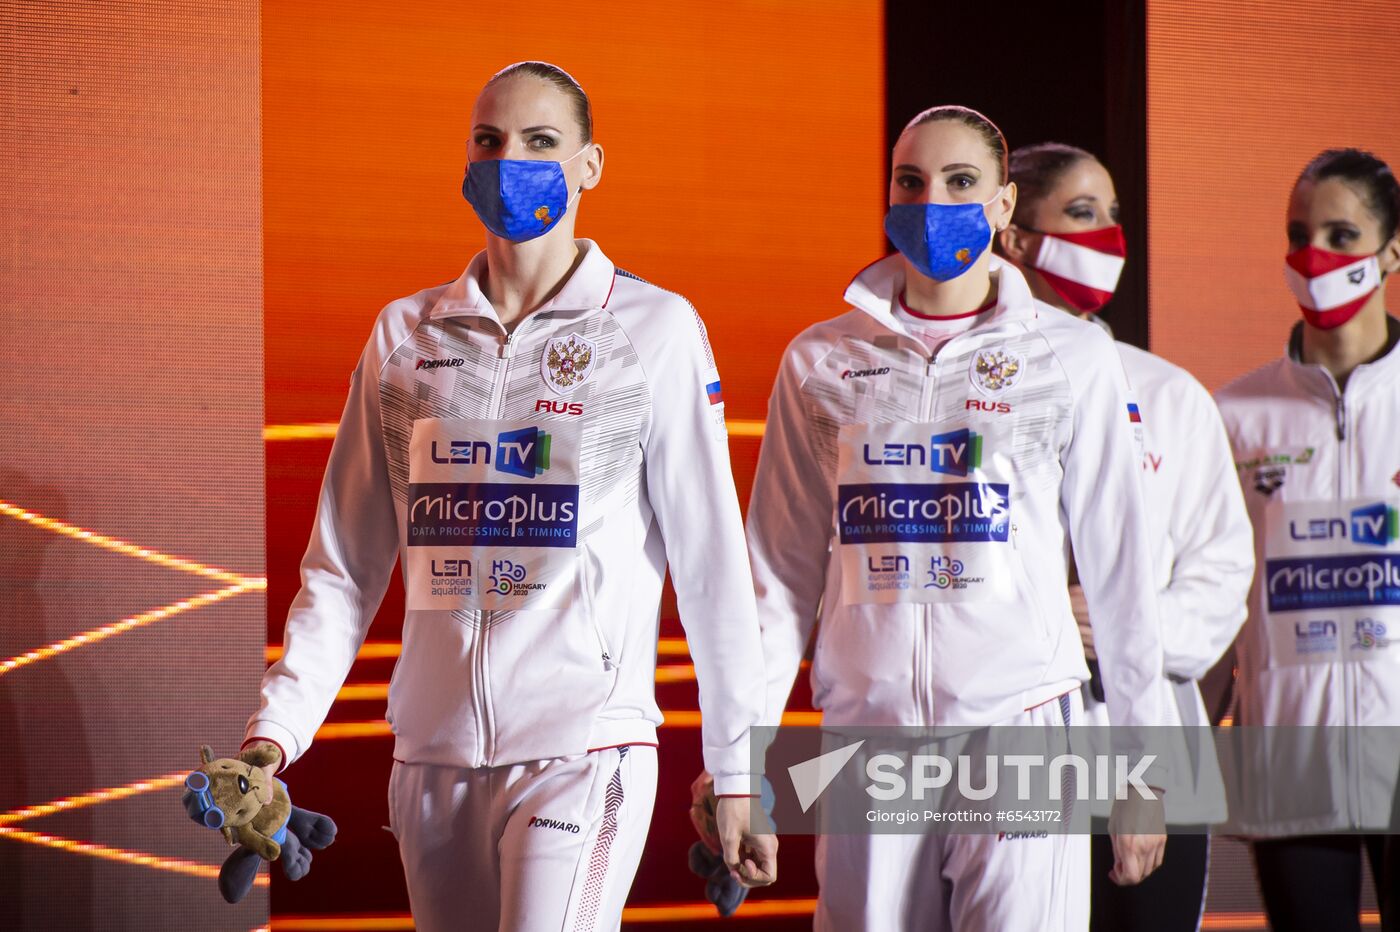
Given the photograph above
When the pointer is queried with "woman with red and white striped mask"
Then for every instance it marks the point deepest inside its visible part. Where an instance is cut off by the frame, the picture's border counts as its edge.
(1065, 238)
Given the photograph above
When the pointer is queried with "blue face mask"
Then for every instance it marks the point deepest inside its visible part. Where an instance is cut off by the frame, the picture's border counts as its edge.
(940, 240)
(518, 199)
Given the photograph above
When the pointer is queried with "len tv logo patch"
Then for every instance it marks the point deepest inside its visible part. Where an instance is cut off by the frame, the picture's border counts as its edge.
(523, 452)
(956, 453)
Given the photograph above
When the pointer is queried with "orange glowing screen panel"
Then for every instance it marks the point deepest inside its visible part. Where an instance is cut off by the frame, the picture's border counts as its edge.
(1240, 97)
(131, 462)
(745, 164)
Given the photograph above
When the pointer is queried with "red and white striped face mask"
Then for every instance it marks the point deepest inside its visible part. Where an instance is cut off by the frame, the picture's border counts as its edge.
(1330, 286)
(1083, 268)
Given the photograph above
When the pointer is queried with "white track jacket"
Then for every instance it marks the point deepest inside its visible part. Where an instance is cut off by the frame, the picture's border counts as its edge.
(923, 509)
(1321, 475)
(534, 487)
(1203, 550)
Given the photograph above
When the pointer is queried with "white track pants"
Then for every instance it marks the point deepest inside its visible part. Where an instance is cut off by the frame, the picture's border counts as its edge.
(958, 883)
(546, 845)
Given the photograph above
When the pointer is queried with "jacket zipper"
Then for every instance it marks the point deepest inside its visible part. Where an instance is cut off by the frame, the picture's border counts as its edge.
(478, 658)
(1350, 715)
(923, 669)
(929, 403)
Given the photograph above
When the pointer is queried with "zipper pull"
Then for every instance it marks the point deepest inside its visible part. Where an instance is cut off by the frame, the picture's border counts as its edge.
(1341, 417)
(607, 661)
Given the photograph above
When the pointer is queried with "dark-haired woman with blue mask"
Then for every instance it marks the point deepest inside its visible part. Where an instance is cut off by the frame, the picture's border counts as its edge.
(1016, 418)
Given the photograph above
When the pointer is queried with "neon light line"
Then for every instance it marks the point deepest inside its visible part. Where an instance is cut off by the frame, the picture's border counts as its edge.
(674, 718)
(678, 912)
(127, 624)
(93, 798)
(381, 650)
(125, 548)
(326, 430)
(370, 650)
(107, 853)
(299, 431)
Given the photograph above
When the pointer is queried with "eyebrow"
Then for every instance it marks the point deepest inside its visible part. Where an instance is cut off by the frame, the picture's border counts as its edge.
(1302, 225)
(946, 168)
(528, 129)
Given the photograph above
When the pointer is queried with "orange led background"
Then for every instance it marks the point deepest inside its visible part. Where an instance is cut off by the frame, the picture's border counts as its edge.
(745, 165)
(745, 169)
(1240, 97)
(131, 470)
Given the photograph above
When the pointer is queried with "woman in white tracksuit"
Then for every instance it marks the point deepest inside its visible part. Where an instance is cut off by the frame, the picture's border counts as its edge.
(1316, 436)
(534, 443)
(1065, 237)
(1030, 424)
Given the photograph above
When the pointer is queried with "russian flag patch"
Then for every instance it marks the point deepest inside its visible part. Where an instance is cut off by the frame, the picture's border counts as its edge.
(716, 396)
(1133, 414)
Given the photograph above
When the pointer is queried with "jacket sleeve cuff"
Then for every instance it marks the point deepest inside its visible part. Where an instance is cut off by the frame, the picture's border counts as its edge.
(736, 784)
(273, 733)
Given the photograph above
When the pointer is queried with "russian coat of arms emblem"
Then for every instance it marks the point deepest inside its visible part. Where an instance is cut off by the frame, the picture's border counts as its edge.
(993, 371)
(567, 362)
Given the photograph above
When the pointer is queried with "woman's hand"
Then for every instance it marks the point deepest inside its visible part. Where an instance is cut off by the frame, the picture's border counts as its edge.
(267, 757)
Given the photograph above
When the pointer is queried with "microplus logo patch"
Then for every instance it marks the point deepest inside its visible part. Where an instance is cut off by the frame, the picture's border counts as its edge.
(477, 514)
(952, 512)
(1346, 581)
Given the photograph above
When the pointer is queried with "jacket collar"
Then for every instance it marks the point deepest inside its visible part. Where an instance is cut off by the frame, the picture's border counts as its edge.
(586, 289)
(876, 289)
(1385, 364)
